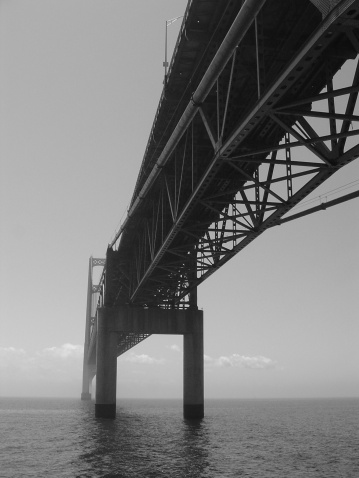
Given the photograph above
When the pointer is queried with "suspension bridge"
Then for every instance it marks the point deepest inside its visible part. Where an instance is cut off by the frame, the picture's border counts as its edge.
(250, 122)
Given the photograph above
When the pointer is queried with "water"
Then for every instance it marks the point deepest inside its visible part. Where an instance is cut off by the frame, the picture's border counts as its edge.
(149, 438)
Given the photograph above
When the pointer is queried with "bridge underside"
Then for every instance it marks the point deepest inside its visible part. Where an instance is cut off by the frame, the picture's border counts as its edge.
(252, 119)
(265, 124)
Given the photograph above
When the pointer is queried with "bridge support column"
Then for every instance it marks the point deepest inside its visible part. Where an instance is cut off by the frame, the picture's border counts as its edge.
(193, 376)
(106, 365)
(137, 320)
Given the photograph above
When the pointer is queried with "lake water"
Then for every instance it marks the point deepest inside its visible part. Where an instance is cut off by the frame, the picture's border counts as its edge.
(150, 438)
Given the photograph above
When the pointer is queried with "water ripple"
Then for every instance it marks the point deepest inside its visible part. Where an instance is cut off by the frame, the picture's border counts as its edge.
(262, 438)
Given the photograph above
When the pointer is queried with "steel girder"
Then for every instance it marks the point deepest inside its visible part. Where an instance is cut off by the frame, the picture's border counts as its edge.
(268, 128)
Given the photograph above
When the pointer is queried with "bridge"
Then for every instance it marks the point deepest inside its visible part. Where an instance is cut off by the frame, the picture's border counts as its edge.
(251, 121)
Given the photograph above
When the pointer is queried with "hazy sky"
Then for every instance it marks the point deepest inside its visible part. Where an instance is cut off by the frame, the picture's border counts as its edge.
(80, 82)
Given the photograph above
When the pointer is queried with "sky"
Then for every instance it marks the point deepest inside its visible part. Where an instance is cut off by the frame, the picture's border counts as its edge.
(80, 82)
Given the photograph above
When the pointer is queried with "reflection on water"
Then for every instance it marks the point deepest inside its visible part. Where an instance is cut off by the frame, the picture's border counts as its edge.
(196, 447)
(148, 438)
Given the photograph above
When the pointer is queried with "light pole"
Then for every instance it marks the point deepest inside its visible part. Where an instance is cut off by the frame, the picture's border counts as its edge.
(165, 63)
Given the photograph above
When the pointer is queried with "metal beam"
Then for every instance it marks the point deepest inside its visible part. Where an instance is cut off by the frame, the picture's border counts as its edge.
(321, 207)
(235, 34)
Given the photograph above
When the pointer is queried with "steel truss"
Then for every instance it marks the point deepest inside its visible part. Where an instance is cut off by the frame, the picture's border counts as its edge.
(251, 147)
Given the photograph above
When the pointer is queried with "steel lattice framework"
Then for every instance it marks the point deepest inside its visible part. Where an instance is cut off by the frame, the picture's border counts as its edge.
(250, 122)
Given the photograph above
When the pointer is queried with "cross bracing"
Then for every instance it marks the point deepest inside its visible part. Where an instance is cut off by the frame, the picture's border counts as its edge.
(251, 121)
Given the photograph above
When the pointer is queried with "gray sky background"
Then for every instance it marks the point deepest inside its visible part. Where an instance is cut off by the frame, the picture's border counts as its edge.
(80, 82)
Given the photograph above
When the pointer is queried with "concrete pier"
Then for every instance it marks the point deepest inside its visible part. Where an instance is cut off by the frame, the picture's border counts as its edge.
(113, 321)
(106, 366)
(193, 381)
(85, 396)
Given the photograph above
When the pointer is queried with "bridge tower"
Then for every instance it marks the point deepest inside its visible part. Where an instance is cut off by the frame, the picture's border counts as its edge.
(89, 364)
